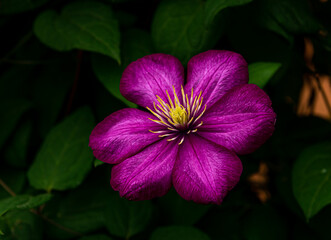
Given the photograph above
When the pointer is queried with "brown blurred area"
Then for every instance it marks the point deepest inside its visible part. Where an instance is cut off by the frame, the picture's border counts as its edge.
(315, 96)
(314, 100)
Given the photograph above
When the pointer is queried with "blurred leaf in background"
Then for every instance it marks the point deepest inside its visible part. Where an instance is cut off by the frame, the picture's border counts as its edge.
(64, 159)
(83, 25)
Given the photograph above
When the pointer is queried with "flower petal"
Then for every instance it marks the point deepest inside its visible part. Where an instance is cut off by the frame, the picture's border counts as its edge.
(122, 134)
(204, 172)
(147, 174)
(214, 73)
(149, 76)
(241, 121)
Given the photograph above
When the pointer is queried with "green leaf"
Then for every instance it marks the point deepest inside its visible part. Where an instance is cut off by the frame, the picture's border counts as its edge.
(13, 109)
(137, 43)
(264, 223)
(64, 159)
(86, 25)
(178, 233)
(178, 28)
(125, 218)
(213, 7)
(261, 72)
(311, 178)
(17, 6)
(187, 27)
(23, 202)
(97, 162)
(180, 211)
(23, 225)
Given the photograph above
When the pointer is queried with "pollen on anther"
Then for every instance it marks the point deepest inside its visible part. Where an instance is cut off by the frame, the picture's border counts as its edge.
(178, 116)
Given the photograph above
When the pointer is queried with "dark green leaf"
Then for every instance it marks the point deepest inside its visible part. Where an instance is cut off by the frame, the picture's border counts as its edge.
(84, 25)
(184, 28)
(261, 72)
(97, 162)
(96, 237)
(64, 158)
(109, 73)
(178, 233)
(311, 178)
(178, 28)
(137, 43)
(213, 7)
(23, 225)
(293, 16)
(17, 6)
(82, 210)
(23, 202)
(125, 218)
(13, 109)
(264, 223)
(181, 212)
(16, 152)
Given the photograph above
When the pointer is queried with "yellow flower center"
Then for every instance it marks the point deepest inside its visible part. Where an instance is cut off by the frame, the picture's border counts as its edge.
(178, 115)
(178, 118)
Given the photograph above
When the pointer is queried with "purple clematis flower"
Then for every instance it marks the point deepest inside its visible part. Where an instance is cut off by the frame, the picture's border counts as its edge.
(192, 131)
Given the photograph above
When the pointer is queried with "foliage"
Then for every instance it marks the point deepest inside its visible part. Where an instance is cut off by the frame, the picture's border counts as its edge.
(60, 67)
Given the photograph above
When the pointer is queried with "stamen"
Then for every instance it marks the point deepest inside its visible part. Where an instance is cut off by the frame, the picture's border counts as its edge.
(177, 117)
(171, 139)
(183, 95)
(200, 115)
(165, 135)
(170, 101)
(162, 131)
(181, 141)
(199, 124)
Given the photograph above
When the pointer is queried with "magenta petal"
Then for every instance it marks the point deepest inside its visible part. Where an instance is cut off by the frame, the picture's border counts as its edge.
(241, 121)
(214, 73)
(122, 134)
(149, 76)
(147, 174)
(204, 172)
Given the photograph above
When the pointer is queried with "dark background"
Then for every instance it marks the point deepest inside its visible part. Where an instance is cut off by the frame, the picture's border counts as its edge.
(60, 67)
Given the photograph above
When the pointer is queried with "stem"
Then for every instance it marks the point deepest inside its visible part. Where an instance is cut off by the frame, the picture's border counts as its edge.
(56, 224)
(18, 45)
(12, 193)
(323, 93)
(7, 188)
(75, 83)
